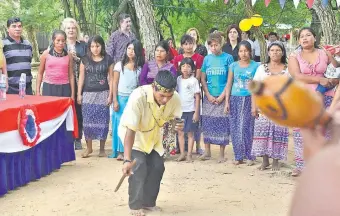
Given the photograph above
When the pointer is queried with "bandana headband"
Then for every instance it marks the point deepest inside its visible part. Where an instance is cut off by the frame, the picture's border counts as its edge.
(162, 88)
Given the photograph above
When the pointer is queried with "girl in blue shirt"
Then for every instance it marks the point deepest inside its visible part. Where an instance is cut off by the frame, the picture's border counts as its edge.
(215, 123)
(239, 104)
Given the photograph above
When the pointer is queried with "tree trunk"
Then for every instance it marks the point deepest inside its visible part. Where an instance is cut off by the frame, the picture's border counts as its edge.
(67, 9)
(168, 24)
(31, 36)
(330, 29)
(134, 20)
(256, 30)
(149, 32)
(82, 17)
(316, 25)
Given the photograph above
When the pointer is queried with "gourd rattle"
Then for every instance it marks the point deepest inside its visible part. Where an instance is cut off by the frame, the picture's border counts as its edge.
(289, 102)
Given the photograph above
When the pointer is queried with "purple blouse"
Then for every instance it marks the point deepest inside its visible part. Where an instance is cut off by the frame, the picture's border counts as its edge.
(150, 70)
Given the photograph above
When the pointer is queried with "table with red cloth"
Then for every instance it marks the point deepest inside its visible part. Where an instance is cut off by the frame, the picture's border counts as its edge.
(22, 161)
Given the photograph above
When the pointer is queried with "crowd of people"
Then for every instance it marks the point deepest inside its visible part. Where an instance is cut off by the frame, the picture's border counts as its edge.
(212, 96)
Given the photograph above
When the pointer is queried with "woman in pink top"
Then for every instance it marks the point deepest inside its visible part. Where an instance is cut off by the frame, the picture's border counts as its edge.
(58, 67)
(308, 64)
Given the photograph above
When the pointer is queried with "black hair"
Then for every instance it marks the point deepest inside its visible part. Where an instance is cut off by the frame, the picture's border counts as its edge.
(212, 30)
(234, 26)
(164, 44)
(12, 20)
(58, 32)
(247, 45)
(187, 38)
(284, 53)
(311, 31)
(122, 17)
(166, 79)
(272, 33)
(188, 61)
(99, 40)
(139, 58)
(248, 33)
(169, 39)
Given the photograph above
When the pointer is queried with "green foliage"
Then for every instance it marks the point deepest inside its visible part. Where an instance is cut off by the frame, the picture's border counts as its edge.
(42, 15)
(207, 14)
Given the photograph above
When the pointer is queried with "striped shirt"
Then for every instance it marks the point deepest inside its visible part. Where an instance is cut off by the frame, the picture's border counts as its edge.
(18, 57)
(117, 43)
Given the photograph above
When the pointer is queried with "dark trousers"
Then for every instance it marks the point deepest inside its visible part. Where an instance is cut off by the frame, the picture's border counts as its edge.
(15, 89)
(79, 114)
(144, 184)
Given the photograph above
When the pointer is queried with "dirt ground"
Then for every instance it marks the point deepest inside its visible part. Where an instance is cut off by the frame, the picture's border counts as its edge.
(86, 187)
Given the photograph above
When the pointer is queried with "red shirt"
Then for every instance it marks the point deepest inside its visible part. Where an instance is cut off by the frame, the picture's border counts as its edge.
(197, 58)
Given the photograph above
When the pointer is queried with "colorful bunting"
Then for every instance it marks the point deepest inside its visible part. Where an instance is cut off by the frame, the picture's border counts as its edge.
(324, 3)
(296, 3)
(282, 3)
(310, 3)
(266, 2)
(253, 2)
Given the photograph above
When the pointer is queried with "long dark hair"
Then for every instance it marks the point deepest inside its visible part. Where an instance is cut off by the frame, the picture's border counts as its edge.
(139, 58)
(311, 31)
(284, 53)
(99, 40)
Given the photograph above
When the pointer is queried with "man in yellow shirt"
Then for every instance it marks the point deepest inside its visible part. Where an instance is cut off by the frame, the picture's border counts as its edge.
(148, 108)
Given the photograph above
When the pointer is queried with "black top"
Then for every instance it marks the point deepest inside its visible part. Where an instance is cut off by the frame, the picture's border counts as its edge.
(96, 74)
(228, 49)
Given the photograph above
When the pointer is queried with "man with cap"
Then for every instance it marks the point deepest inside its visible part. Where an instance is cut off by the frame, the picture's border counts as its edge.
(148, 109)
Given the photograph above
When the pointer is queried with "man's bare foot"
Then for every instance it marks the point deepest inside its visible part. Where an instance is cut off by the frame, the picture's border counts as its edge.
(275, 165)
(238, 162)
(189, 158)
(139, 212)
(250, 162)
(221, 160)
(205, 156)
(153, 209)
(86, 153)
(265, 164)
(181, 157)
(102, 153)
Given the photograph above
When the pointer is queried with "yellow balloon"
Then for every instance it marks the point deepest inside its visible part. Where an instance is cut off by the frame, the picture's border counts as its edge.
(256, 20)
(245, 24)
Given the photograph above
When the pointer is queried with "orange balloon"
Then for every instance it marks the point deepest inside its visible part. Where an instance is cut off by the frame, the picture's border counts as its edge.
(245, 25)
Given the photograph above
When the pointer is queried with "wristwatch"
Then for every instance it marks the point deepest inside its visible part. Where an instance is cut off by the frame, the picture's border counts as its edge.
(127, 161)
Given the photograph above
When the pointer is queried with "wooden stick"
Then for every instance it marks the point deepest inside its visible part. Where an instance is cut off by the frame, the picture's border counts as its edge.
(123, 177)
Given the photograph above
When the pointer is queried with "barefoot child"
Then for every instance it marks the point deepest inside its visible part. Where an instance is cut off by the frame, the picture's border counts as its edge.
(239, 104)
(215, 123)
(190, 94)
(95, 81)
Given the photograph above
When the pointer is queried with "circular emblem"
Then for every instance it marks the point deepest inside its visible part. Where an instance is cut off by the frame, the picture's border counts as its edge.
(29, 125)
